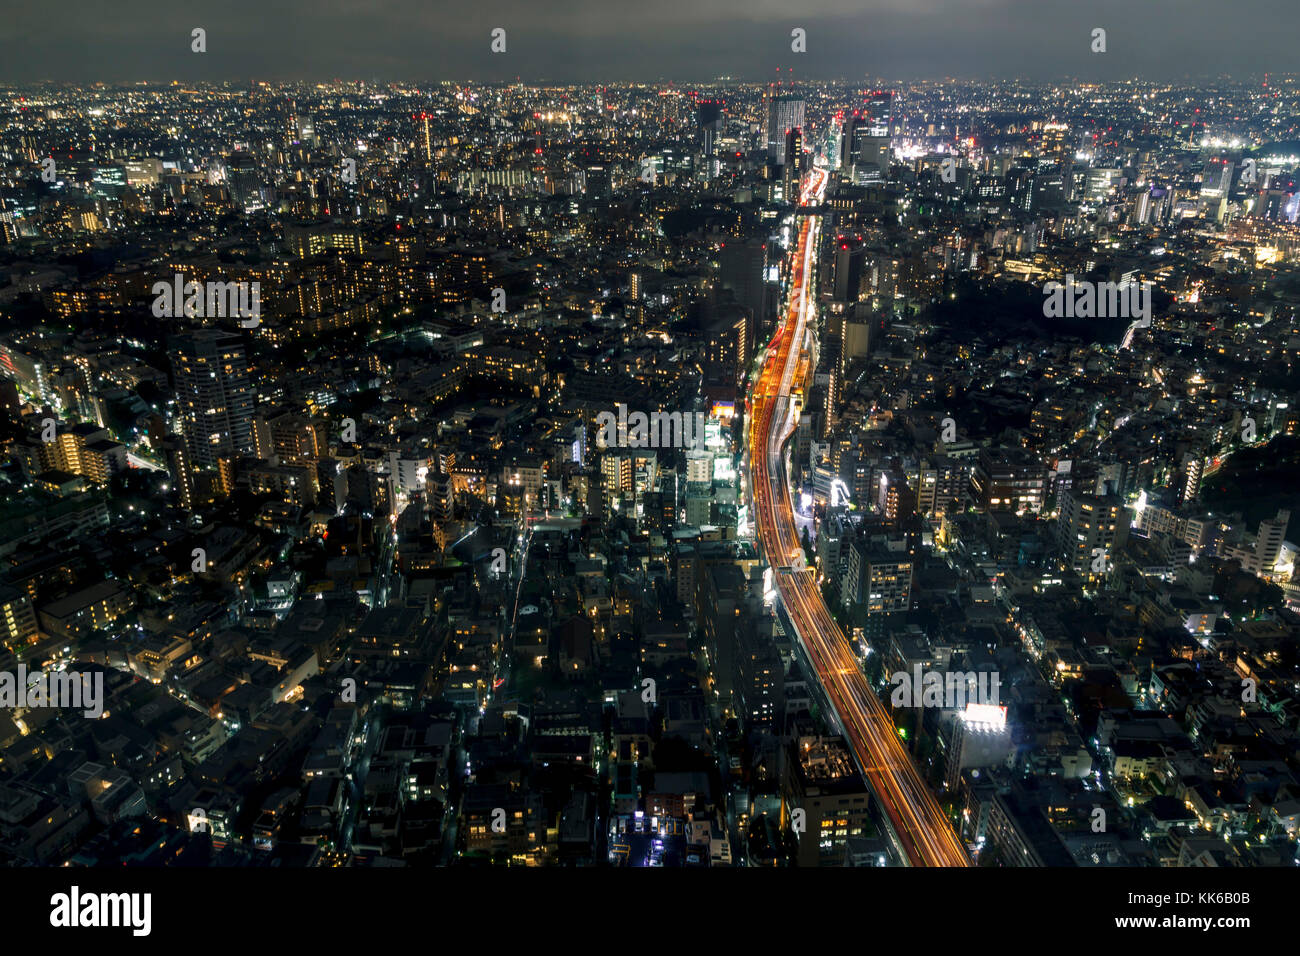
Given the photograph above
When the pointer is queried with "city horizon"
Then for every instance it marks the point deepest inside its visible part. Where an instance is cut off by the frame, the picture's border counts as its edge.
(609, 41)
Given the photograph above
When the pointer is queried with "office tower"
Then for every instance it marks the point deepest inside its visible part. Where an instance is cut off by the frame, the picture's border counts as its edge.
(307, 131)
(215, 400)
(719, 599)
(1101, 182)
(871, 160)
(794, 164)
(855, 127)
(242, 179)
(741, 265)
(290, 123)
(784, 113)
(709, 117)
(880, 113)
(425, 144)
(877, 579)
(1047, 191)
(865, 150)
(1216, 179)
(831, 359)
(760, 677)
(598, 182)
(850, 270)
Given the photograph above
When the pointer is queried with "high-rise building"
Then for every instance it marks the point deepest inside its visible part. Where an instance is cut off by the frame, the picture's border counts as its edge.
(290, 122)
(939, 482)
(1089, 530)
(794, 163)
(242, 179)
(709, 116)
(1268, 543)
(855, 127)
(784, 113)
(877, 581)
(832, 354)
(871, 162)
(980, 737)
(726, 342)
(865, 150)
(597, 180)
(215, 400)
(850, 268)
(180, 469)
(760, 677)
(880, 113)
(1193, 470)
(741, 265)
(719, 596)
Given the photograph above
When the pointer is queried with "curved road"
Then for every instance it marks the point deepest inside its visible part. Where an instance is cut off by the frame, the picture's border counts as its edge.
(922, 828)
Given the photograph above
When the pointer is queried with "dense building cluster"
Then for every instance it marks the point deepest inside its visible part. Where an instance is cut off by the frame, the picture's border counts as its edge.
(381, 450)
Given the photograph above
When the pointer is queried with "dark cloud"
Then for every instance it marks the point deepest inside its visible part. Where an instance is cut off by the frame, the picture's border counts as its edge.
(687, 40)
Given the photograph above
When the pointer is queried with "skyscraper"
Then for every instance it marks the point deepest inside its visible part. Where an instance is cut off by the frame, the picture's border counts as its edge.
(880, 113)
(740, 270)
(242, 179)
(709, 116)
(865, 149)
(290, 117)
(793, 163)
(850, 266)
(213, 395)
(855, 127)
(425, 144)
(784, 113)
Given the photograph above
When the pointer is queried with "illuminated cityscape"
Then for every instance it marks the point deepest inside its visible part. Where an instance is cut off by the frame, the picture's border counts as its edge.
(784, 472)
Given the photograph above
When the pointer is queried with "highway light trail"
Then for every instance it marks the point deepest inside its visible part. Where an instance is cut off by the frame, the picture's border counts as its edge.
(923, 831)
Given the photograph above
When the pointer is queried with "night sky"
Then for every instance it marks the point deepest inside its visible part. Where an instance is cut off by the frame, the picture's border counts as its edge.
(610, 40)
